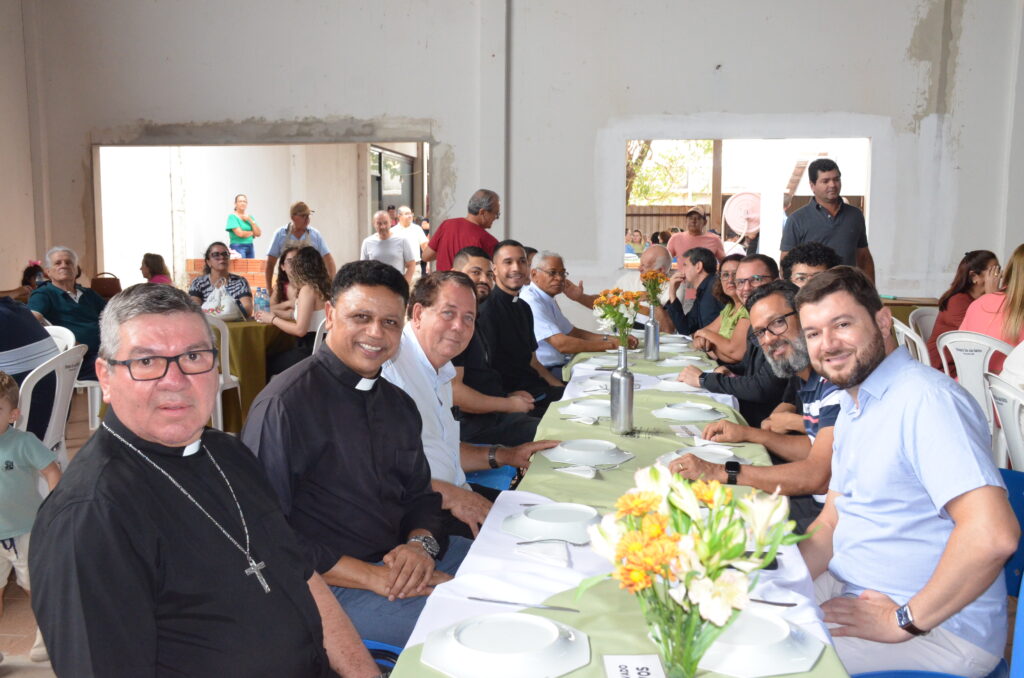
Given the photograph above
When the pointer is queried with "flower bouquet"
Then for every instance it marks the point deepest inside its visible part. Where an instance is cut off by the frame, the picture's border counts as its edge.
(654, 283)
(686, 550)
(616, 311)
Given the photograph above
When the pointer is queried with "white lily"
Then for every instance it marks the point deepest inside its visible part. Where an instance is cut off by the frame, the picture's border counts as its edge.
(762, 511)
(682, 497)
(605, 536)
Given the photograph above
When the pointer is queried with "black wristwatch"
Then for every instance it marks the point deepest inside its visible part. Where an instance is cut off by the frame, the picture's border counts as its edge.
(905, 620)
(428, 543)
(732, 469)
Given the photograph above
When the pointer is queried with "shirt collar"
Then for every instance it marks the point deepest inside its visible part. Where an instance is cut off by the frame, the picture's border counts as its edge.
(115, 425)
(342, 372)
(880, 379)
(411, 343)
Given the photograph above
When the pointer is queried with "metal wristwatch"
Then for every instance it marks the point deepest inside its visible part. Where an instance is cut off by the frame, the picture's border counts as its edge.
(905, 620)
(492, 456)
(732, 470)
(428, 543)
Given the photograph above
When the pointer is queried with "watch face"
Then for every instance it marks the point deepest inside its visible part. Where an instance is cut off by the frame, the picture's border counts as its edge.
(903, 616)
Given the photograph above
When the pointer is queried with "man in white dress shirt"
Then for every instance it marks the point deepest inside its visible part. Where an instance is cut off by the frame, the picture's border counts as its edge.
(442, 315)
(557, 338)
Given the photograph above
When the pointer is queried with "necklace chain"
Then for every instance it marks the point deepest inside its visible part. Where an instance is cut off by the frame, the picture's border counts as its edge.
(254, 567)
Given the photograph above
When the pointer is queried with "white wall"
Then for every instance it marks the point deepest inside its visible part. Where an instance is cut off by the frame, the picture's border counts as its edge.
(19, 243)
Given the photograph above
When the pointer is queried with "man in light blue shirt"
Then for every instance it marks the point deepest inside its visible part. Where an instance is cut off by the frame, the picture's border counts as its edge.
(908, 552)
(557, 339)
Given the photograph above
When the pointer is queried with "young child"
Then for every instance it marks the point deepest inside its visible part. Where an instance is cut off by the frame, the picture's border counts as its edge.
(22, 457)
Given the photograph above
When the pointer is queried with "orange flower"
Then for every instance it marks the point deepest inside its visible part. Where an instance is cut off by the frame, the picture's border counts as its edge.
(638, 503)
(705, 492)
(655, 526)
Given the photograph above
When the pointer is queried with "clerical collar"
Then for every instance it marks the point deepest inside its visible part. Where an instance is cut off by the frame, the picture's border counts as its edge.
(342, 372)
(118, 427)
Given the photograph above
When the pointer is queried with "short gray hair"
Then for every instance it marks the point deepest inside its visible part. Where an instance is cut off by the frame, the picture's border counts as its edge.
(142, 299)
(483, 199)
(539, 258)
(57, 250)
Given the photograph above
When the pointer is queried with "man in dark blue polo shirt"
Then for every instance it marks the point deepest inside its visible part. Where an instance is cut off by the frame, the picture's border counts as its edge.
(66, 303)
(697, 268)
(830, 221)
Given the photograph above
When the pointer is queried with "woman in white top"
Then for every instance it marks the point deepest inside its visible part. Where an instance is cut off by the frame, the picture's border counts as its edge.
(307, 274)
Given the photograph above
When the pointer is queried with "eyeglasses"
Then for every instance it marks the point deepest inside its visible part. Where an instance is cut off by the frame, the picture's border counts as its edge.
(563, 274)
(803, 277)
(776, 326)
(220, 255)
(727, 276)
(753, 280)
(153, 367)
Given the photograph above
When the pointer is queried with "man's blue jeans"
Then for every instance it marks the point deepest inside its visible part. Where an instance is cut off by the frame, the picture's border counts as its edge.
(386, 621)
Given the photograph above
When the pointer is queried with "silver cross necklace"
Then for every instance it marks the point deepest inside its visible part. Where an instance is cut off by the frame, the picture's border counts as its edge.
(254, 567)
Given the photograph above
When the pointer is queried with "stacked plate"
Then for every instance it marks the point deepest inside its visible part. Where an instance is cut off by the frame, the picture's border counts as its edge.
(506, 645)
(716, 454)
(761, 643)
(596, 407)
(600, 361)
(557, 520)
(682, 361)
(669, 382)
(587, 453)
(602, 380)
(690, 412)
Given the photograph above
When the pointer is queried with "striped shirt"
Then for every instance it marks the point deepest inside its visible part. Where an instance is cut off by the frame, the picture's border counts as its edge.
(237, 287)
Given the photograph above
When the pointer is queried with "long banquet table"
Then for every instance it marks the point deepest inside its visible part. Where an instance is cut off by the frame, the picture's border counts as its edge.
(496, 568)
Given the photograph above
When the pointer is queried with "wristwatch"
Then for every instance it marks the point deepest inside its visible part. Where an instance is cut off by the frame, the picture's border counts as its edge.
(492, 456)
(732, 469)
(428, 543)
(905, 620)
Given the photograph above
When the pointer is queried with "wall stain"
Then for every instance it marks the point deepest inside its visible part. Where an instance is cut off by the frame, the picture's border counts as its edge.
(936, 43)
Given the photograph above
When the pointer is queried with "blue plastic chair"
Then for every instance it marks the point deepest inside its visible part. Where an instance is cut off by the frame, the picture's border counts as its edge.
(385, 655)
(497, 479)
(1012, 572)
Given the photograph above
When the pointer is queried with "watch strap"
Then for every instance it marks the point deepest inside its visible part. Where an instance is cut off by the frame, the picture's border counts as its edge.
(492, 456)
(732, 470)
(905, 620)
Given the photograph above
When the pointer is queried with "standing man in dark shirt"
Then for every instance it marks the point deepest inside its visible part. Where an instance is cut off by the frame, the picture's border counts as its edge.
(507, 325)
(454, 234)
(488, 414)
(697, 268)
(162, 551)
(342, 448)
(830, 221)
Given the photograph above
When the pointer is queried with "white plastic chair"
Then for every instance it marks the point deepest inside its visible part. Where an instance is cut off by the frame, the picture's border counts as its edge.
(907, 337)
(971, 353)
(228, 381)
(321, 333)
(922, 320)
(62, 336)
(1009, 403)
(65, 366)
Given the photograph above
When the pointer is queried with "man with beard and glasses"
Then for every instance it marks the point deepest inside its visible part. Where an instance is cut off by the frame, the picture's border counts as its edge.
(777, 329)
(488, 414)
(908, 552)
(506, 323)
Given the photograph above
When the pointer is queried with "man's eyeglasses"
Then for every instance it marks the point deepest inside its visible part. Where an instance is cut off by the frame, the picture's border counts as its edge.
(753, 280)
(776, 326)
(555, 274)
(220, 255)
(153, 367)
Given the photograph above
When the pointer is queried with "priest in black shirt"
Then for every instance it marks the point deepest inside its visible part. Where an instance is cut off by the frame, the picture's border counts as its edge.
(342, 447)
(163, 552)
(506, 323)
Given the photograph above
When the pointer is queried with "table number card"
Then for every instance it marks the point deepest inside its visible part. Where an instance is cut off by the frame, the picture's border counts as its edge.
(633, 666)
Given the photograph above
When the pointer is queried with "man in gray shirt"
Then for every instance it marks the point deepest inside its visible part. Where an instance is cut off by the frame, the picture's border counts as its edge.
(828, 220)
(392, 250)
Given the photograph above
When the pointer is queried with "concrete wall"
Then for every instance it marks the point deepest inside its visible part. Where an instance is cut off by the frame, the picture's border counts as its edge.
(536, 100)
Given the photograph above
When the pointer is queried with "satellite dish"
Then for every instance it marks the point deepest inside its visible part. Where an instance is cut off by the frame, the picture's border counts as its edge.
(742, 212)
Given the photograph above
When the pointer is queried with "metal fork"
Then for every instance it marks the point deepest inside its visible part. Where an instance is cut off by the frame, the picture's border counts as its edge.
(552, 540)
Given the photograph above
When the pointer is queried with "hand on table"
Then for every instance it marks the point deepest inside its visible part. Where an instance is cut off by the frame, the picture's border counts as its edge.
(519, 456)
(871, 616)
(701, 342)
(632, 342)
(410, 569)
(470, 508)
(783, 422)
(263, 317)
(695, 468)
(690, 375)
(724, 432)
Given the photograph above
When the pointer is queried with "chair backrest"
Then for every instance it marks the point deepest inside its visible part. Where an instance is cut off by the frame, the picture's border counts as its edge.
(65, 366)
(62, 336)
(1009, 403)
(220, 331)
(907, 337)
(971, 353)
(922, 320)
(321, 332)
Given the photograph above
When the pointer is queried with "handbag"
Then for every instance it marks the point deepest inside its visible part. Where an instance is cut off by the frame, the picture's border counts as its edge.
(220, 304)
(105, 287)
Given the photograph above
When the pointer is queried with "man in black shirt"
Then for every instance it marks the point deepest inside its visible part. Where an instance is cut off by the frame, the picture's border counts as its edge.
(506, 323)
(697, 268)
(162, 551)
(342, 448)
(488, 414)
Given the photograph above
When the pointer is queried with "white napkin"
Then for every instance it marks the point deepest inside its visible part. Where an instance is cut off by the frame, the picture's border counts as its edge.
(588, 472)
(590, 421)
(686, 430)
(555, 553)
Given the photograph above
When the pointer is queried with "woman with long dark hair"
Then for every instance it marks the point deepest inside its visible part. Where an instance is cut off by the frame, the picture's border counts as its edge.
(282, 297)
(977, 274)
(1000, 314)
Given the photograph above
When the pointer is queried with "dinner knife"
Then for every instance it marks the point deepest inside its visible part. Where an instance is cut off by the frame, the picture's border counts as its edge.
(533, 605)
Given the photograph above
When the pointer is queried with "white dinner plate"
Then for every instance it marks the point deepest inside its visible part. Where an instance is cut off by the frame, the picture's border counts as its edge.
(587, 452)
(506, 645)
(688, 412)
(556, 520)
(602, 380)
(596, 407)
(715, 454)
(600, 361)
(674, 339)
(761, 643)
(669, 382)
(628, 350)
(681, 361)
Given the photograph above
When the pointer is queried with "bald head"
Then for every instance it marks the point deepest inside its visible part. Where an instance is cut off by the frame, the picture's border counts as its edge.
(656, 258)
